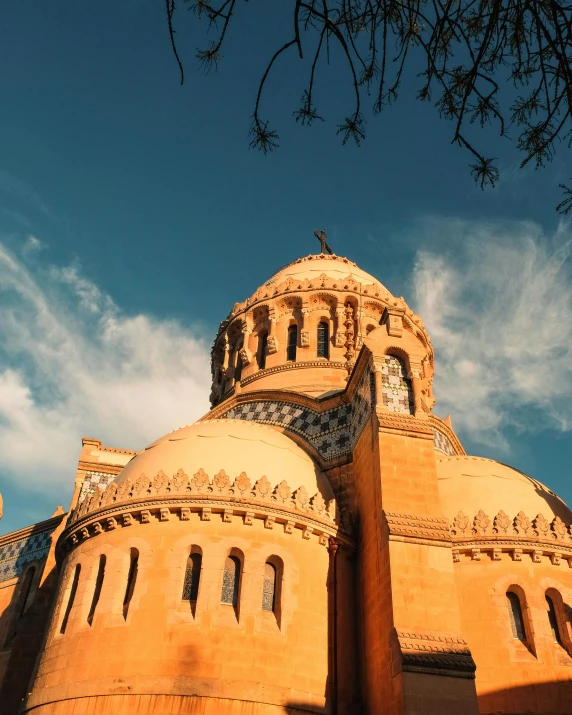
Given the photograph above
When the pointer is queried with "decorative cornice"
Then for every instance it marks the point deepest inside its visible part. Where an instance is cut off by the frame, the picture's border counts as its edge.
(97, 444)
(519, 535)
(393, 422)
(435, 653)
(405, 527)
(102, 467)
(298, 365)
(161, 494)
(151, 509)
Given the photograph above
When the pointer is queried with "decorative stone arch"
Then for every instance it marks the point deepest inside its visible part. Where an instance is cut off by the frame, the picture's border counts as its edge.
(526, 592)
(395, 383)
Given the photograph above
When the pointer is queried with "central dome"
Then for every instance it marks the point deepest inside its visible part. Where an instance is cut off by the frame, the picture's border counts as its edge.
(314, 266)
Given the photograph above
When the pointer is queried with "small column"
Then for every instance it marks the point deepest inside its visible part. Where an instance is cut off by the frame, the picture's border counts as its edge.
(304, 328)
(272, 345)
(340, 340)
(379, 388)
(415, 377)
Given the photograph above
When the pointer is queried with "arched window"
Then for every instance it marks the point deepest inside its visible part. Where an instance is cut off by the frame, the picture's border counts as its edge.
(553, 620)
(262, 346)
(192, 577)
(230, 581)
(97, 590)
(269, 587)
(323, 339)
(131, 581)
(238, 368)
(396, 389)
(515, 616)
(292, 343)
(71, 598)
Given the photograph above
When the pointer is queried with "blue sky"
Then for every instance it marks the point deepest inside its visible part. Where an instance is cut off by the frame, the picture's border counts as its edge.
(133, 215)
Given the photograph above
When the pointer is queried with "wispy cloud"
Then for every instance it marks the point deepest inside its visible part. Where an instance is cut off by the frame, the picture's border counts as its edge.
(498, 307)
(16, 188)
(72, 363)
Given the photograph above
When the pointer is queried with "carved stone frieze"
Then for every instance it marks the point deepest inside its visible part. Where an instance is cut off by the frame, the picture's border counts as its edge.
(417, 527)
(518, 535)
(435, 653)
(166, 498)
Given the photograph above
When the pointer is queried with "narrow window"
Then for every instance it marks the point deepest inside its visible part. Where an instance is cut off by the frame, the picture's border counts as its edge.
(97, 590)
(323, 339)
(553, 620)
(515, 616)
(192, 578)
(262, 345)
(230, 581)
(131, 580)
(71, 598)
(269, 588)
(238, 368)
(292, 342)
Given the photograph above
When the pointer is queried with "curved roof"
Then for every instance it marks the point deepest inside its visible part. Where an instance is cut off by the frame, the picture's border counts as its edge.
(235, 446)
(314, 265)
(469, 484)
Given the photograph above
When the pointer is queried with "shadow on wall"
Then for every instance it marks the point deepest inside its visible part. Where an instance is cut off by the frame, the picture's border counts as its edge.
(548, 698)
(25, 636)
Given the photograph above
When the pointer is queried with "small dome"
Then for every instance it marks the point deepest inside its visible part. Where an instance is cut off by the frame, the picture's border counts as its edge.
(314, 265)
(235, 446)
(469, 484)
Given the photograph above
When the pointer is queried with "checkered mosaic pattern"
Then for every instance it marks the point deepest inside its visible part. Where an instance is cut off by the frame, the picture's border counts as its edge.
(396, 390)
(14, 557)
(443, 444)
(332, 433)
(92, 481)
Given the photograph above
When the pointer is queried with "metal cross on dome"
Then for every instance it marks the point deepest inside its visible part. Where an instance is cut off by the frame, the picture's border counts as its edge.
(321, 236)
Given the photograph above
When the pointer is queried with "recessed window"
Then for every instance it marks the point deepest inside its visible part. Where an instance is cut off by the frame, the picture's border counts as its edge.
(262, 348)
(553, 620)
(323, 339)
(71, 598)
(292, 343)
(192, 578)
(269, 588)
(230, 581)
(515, 616)
(131, 581)
(238, 368)
(97, 590)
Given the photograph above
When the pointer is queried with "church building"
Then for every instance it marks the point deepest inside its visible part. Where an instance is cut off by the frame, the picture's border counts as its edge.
(318, 542)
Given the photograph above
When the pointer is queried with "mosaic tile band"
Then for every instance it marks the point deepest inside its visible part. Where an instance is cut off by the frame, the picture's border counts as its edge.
(395, 387)
(93, 480)
(443, 444)
(332, 434)
(14, 557)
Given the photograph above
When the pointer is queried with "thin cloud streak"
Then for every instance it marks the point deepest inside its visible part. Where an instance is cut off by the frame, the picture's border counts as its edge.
(71, 363)
(499, 312)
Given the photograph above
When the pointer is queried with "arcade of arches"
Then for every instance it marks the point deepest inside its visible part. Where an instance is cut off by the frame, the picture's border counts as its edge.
(319, 542)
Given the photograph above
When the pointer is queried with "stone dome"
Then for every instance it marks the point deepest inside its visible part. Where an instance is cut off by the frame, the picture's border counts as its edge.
(313, 266)
(469, 484)
(235, 446)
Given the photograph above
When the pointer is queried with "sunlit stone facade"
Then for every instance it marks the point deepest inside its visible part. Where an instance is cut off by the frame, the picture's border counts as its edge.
(319, 542)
